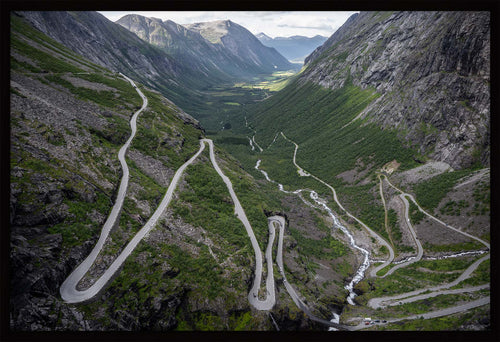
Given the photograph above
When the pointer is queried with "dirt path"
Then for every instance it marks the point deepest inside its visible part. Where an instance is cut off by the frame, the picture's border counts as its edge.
(420, 250)
(436, 219)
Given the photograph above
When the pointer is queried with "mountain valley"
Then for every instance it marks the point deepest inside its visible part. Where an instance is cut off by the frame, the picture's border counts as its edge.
(295, 48)
(375, 155)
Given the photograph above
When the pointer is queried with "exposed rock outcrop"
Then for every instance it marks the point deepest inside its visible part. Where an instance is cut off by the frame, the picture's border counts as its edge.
(242, 46)
(432, 70)
(218, 49)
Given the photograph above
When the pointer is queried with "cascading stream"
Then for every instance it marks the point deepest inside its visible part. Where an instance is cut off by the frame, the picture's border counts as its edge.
(360, 273)
(366, 263)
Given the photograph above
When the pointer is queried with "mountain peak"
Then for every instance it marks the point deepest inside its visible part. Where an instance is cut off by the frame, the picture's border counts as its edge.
(213, 31)
(262, 36)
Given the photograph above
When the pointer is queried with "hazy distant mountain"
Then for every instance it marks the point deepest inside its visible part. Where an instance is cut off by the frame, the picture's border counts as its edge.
(422, 74)
(185, 45)
(295, 48)
(242, 44)
(264, 38)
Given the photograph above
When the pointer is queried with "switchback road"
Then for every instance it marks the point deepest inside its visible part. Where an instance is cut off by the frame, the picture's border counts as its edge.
(68, 289)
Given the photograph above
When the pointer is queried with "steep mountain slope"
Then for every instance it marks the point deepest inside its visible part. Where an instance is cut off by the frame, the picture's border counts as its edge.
(429, 130)
(108, 44)
(191, 47)
(295, 48)
(242, 45)
(185, 45)
(428, 73)
(69, 118)
(431, 70)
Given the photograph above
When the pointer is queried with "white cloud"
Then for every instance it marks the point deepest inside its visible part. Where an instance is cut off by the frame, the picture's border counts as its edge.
(274, 23)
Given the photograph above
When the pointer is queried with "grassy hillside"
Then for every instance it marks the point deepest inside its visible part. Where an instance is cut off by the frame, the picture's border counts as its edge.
(69, 118)
(346, 153)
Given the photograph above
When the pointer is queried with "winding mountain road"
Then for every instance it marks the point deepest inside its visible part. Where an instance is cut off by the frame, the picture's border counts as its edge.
(68, 289)
(381, 240)
(396, 299)
(420, 250)
(435, 218)
(280, 222)
(383, 302)
(71, 294)
(381, 191)
(434, 314)
(270, 300)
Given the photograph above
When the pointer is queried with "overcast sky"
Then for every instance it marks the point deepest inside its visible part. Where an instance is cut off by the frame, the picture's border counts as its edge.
(274, 24)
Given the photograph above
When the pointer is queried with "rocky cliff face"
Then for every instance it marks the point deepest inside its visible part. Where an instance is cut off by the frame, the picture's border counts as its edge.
(242, 45)
(69, 118)
(431, 70)
(110, 45)
(103, 42)
(217, 49)
(185, 45)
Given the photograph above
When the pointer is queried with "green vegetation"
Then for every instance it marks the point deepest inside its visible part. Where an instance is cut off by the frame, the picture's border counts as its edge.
(459, 247)
(331, 145)
(206, 321)
(209, 205)
(126, 93)
(45, 61)
(480, 276)
(453, 208)
(224, 103)
(423, 306)
(162, 134)
(394, 227)
(482, 197)
(343, 268)
(105, 98)
(446, 265)
(275, 82)
(433, 190)
(152, 191)
(20, 26)
(159, 273)
(446, 323)
(241, 321)
(416, 216)
(203, 273)
(79, 227)
(325, 248)
(23, 66)
(421, 274)
(277, 161)
(436, 278)
(362, 201)
(384, 270)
